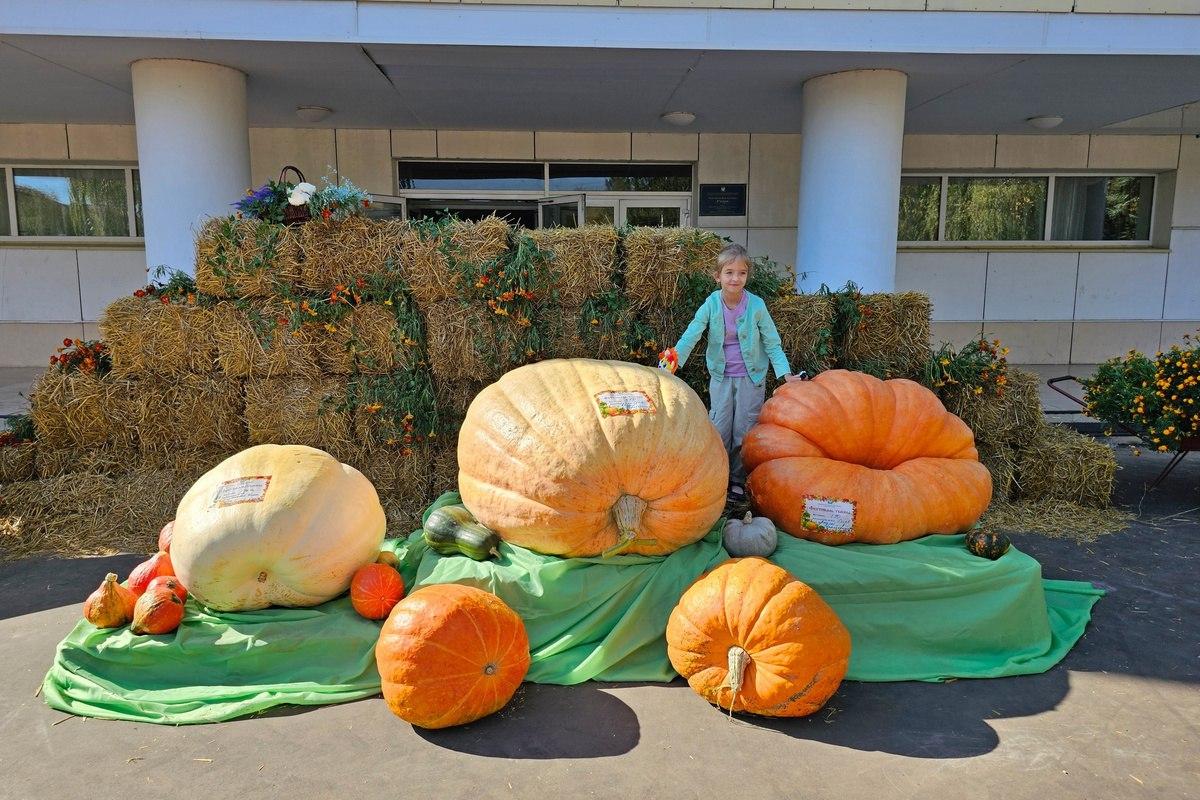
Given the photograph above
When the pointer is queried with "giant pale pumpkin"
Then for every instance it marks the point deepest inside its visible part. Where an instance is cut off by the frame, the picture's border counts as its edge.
(847, 457)
(281, 525)
(582, 458)
(449, 655)
(749, 637)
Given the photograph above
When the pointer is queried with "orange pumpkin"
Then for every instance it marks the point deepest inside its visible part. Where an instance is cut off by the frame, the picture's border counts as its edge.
(375, 589)
(449, 655)
(750, 637)
(573, 457)
(158, 610)
(847, 457)
(153, 567)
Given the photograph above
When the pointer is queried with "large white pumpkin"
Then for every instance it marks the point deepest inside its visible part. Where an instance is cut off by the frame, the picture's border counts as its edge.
(275, 525)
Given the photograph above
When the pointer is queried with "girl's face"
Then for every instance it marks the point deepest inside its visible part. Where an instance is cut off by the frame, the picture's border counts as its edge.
(733, 276)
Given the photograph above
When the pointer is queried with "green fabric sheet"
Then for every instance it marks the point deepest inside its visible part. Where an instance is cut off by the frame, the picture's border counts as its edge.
(920, 610)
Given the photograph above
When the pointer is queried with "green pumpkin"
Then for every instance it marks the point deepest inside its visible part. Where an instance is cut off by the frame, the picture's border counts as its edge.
(453, 531)
(987, 544)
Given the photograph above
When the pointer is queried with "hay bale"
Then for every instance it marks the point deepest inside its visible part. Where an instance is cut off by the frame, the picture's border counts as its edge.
(336, 252)
(188, 414)
(436, 260)
(299, 410)
(88, 513)
(891, 336)
(1012, 418)
(805, 325)
(368, 340)
(252, 343)
(16, 462)
(584, 262)
(461, 342)
(52, 461)
(443, 469)
(571, 334)
(144, 336)
(394, 410)
(656, 259)
(454, 397)
(81, 409)
(246, 257)
(1060, 464)
(1001, 461)
(1060, 519)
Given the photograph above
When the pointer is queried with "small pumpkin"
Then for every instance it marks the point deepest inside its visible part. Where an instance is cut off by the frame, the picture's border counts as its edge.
(155, 566)
(450, 654)
(750, 536)
(157, 611)
(750, 637)
(164, 536)
(987, 544)
(375, 589)
(453, 530)
(111, 605)
(170, 582)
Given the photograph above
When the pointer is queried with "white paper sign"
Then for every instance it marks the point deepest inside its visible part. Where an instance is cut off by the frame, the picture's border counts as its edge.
(616, 404)
(836, 516)
(241, 490)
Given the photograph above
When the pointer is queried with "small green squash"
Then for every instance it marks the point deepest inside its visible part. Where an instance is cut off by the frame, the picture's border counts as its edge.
(987, 544)
(750, 536)
(453, 530)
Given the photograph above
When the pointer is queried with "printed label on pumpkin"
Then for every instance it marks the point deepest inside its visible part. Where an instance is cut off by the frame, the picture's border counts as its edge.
(622, 404)
(241, 490)
(826, 514)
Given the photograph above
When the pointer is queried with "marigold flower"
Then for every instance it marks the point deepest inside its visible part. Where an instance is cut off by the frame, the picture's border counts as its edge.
(66, 342)
(140, 293)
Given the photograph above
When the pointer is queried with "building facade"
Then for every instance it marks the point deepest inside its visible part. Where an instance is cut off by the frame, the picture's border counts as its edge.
(1033, 165)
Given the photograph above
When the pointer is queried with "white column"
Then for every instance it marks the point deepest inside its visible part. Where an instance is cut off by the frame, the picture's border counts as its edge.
(193, 151)
(853, 132)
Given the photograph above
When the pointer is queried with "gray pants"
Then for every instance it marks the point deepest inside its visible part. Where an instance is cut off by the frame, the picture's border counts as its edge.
(735, 403)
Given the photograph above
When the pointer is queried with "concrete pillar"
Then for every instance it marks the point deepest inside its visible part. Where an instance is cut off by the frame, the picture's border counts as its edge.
(193, 148)
(853, 133)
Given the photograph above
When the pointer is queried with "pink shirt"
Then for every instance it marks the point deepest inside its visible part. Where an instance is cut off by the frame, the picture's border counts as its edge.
(735, 365)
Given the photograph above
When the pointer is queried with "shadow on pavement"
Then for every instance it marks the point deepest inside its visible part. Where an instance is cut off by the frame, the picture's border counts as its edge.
(543, 722)
(37, 584)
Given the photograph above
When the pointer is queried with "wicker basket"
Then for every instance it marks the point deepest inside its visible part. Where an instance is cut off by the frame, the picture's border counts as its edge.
(294, 215)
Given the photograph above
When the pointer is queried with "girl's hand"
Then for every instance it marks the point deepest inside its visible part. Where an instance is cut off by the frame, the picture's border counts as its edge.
(803, 376)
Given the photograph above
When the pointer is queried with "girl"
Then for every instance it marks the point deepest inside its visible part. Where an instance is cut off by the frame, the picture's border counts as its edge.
(742, 343)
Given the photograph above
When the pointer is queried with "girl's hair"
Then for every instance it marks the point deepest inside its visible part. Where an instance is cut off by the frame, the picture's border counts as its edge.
(734, 252)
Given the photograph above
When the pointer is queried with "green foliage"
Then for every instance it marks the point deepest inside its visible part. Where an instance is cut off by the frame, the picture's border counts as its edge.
(980, 366)
(20, 429)
(402, 405)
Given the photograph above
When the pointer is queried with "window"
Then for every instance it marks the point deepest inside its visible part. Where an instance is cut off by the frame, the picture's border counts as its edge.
(4, 226)
(137, 202)
(459, 175)
(1101, 208)
(1025, 208)
(71, 202)
(620, 177)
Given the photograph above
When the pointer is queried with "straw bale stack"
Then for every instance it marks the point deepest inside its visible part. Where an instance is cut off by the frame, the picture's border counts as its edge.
(1060, 464)
(252, 343)
(299, 410)
(437, 266)
(51, 461)
(804, 322)
(1012, 419)
(81, 409)
(337, 252)
(584, 260)
(369, 340)
(146, 336)
(246, 257)
(656, 259)
(892, 335)
(1001, 461)
(461, 341)
(188, 414)
(16, 462)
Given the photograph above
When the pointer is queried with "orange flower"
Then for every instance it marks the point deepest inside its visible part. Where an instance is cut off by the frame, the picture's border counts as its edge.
(66, 342)
(326, 213)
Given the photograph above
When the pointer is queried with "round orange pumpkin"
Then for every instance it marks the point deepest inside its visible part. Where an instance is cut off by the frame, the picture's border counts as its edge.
(375, 589)
(847, 457)
(573, 457)
(449, 655)
(750, 637)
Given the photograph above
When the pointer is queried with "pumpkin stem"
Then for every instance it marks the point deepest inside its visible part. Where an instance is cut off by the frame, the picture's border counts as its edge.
(738, 660)
(746, 520)
(627, 513)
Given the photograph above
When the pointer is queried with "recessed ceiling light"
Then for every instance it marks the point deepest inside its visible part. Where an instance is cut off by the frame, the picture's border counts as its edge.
(313, 113)
(679, 118)
(1045, 123)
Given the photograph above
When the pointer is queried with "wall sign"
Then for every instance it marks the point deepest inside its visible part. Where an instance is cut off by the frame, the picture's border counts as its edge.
(722, 199)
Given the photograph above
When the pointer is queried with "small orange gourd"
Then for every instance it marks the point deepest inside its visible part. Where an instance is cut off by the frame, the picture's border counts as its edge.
(158, 610)
(111, 605)
(153, 567)
(750, 637)
(170, 582)
(375, 589)
(449, 655)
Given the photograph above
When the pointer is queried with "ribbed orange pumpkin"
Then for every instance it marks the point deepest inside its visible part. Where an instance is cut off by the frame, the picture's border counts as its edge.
(375, 589)
(579, 458)
(449, 655)
(750, 637)
(847, 457)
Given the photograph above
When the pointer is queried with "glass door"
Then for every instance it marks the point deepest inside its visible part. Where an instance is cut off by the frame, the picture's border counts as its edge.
(385, 206)
(656, 212)
(563, 211)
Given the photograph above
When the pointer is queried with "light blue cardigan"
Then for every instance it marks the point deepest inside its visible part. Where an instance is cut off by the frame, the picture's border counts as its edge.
(756, 331)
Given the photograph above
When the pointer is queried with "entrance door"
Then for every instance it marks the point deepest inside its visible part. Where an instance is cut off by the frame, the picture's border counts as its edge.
(656, 212)
(564, 211)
